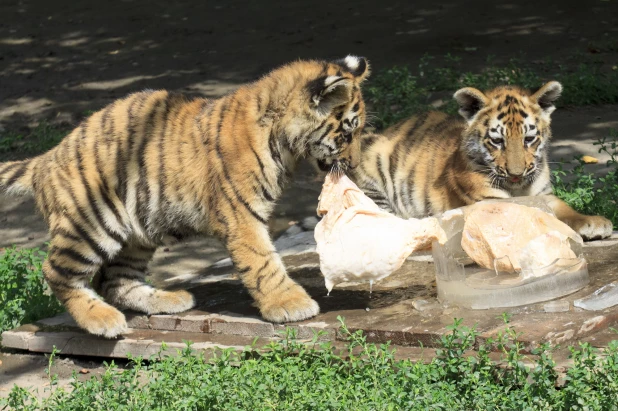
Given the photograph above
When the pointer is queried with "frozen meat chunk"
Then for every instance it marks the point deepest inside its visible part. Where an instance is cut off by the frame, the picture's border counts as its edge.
(357, 241)
(511, 237)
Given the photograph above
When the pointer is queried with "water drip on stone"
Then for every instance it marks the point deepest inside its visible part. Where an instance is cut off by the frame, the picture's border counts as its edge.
(370, 288)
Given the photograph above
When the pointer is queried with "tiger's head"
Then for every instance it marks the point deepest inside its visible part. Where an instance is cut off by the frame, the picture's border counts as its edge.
(508, 131)
(326, 114)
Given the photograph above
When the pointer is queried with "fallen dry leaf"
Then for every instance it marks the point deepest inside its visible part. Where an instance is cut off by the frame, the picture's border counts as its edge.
(84, 371)
(590, 160)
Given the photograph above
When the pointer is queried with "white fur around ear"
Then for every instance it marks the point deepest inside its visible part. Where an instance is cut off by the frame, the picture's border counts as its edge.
(471, 101)
(352, 62)
(547, 95)
(357, 66)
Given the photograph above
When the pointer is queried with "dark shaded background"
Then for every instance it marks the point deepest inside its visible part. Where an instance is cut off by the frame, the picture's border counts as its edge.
(72, 56)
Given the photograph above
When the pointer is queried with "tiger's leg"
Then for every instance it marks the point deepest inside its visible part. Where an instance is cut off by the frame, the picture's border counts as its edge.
(589, 227)
(279, 298)
(121, 283)
(73, 258)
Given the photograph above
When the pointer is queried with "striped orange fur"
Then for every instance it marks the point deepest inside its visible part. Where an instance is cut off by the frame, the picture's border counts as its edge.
(156, 164)
(431, 163)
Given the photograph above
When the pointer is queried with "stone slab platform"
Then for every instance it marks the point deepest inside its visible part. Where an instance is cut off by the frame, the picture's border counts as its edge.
(402, 309)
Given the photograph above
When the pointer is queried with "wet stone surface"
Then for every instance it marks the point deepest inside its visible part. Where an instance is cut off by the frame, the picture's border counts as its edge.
(402, 308)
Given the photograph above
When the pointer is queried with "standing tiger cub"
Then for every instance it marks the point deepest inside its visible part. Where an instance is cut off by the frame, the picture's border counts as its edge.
(432, 163)
(156, 164)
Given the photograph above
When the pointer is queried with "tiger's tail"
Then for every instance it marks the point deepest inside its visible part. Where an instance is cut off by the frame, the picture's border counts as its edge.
(17, 177)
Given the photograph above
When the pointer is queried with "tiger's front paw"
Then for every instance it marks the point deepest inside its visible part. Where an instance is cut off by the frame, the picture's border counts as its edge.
(592, 227)
(291, 305)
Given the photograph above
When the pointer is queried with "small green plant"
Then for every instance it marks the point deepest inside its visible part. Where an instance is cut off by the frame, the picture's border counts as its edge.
(589, 193)
(399, 92)
(24, 295)
(394, 94)
(42, 138)
(294, 375)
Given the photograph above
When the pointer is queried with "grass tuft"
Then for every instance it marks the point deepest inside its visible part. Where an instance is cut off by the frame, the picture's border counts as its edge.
(294, 375)
(24, 295)
(590, 193)
(41, 139)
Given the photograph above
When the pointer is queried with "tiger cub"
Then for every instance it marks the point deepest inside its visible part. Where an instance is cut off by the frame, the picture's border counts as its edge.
(155, 164)
(432, 163)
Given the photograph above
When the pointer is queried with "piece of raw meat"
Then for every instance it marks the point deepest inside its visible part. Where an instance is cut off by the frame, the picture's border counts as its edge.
(357, 241)
(511, 237)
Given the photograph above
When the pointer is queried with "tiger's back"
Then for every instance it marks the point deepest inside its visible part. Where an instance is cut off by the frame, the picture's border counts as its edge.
(415, 168)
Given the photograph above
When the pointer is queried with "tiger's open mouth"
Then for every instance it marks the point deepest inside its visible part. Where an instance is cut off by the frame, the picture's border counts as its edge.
(341, 165)
(324, 166)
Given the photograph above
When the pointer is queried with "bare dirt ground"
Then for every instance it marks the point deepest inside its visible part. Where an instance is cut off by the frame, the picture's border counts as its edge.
(61, 59)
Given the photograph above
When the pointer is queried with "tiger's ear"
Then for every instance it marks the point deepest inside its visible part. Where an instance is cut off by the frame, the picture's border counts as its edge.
(547, 95)
(330, 92)
(357, 66)
(471, 101)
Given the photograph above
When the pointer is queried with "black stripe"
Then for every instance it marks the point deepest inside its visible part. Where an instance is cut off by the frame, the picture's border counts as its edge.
(381, 173)
(545, 187)
(461, 191)
(9, 167)
(123, 155)
(392, 169)
(66, 234)
(429, 177)
(162, 177)
(265, 193)
(258, 284)
(410, 137)
(367, 141)
(65, 272)
(243, 270)
(73, 255)
(409, 182)
(89, 193)
(225, 170)
(118, 264)
(325, 133)
(142, 187)
(94, 246)
(275, 152)
(18, 174)
(104, 189)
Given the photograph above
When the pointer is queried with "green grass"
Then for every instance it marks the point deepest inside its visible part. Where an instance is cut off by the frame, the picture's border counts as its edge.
(589, 193)
(39, 140)
(24, 295)
(294, 375)
(398, 92)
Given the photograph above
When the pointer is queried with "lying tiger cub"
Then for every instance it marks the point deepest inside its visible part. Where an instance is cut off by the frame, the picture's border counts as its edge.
(432, 163)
